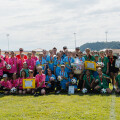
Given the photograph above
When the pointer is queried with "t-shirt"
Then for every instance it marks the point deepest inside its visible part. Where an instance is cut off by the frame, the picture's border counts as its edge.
(89, 58)
(19, 56)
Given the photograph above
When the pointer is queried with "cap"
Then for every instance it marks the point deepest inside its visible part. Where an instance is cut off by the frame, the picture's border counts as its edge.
(5, 75)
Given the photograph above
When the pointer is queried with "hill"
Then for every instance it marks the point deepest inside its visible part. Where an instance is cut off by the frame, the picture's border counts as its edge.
(100, 45)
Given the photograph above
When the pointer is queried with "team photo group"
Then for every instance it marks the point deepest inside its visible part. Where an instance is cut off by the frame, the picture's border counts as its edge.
(59, 72)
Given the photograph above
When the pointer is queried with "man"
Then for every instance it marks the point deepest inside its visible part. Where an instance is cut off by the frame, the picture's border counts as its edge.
(19, 55)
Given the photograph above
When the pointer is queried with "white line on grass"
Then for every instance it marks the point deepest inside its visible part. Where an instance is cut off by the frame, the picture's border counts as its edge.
(112, 109)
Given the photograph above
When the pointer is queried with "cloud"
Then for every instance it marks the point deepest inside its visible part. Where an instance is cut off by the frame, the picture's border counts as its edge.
(47, 23)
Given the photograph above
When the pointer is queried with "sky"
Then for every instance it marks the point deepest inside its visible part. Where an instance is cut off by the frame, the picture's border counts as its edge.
(46, 24)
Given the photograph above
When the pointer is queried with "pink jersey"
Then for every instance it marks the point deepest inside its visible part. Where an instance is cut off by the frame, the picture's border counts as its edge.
(20, 83)
(14, 83)
(6, 84)
(20, 64)
(13, 63)
(30, 63)
(6, 60)
(2, 64)
(34, 58)
(39, 79)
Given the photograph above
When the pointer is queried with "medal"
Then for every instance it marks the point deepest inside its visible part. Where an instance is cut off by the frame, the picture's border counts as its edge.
(102, 83)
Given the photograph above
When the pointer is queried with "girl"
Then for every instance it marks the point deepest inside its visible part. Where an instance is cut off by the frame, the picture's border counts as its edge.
(13, 63)
(5, 85)
(88, 56)
(104, 60)
(61, 85)
(112, 69)
(30, 62)
(20, 63)
(31, 76)
(50, 81)
(40, 82)
(118, 83)
(14, 81)
(33, 56)
(101, 79)
(88, 81)
(6, 60)
(41, 62)
(70, 83)
(2, 65)
(57, 64)
(20, 86)
(67, 61)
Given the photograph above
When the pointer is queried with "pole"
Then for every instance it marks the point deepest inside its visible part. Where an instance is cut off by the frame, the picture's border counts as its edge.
(8, 40)
(75, 39)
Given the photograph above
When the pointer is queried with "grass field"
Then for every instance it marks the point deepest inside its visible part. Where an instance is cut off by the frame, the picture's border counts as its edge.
(60, 107)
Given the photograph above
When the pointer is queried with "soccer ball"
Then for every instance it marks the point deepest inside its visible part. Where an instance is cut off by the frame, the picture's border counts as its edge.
(84, 90)
(52, 78)
(103, 91)
(8, 66)
(59, 78)
(73, 81)
(13, 90)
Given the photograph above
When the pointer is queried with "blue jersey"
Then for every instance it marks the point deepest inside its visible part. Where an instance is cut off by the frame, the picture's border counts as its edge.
(70, 80)
(68, 61)
(48, 77)
(41, 63)
(51, 61)
(63, 82)
(58, 64)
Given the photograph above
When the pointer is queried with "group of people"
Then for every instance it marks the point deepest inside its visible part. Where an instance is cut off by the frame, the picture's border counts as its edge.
(53, 71)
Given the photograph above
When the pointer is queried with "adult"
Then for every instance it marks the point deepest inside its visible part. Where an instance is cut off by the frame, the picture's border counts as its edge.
(19, 55)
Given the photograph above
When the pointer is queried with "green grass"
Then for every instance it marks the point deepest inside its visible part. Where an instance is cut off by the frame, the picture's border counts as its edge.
(59, 107)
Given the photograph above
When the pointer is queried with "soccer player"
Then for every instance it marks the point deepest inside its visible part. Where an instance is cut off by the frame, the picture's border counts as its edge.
(67, 61)
(13, 62)
(40, 82)
(2, 65)
(101, 79)
(61, 85)
(72, 81)
(30, 62)
(50, 81)
(57, 64)
(112, 69)
(33, 56)
(88, 81)
(5, 85)
(118, 84)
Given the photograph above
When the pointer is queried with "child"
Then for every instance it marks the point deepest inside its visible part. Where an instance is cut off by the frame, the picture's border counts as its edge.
(13, 63)
(88, 81)
(67, 61)
(30, 62)
(40, 82)
(50, 81)
(57, 64)
(118, 83)
(5, 85)
(14, 81)
(64, 79)
(20, 63)
(31, 76)
(101, 79)
(25, 68)
(2, 65)
(20, 86)
(41, 62)
(70, 83)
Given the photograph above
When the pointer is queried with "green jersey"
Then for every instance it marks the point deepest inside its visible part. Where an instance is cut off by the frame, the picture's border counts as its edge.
(105, 60)
(89, 58)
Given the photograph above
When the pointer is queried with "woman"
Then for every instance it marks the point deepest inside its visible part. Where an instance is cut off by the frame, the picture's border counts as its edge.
(113, 71)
